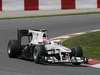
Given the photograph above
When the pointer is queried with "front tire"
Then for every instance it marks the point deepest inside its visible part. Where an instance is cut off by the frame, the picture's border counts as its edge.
(76, 52)
(39, 54)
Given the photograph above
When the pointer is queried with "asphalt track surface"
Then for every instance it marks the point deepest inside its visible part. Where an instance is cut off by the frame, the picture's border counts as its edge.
(56, 26)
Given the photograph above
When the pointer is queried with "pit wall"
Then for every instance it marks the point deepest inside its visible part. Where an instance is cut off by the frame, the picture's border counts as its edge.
(31, 5)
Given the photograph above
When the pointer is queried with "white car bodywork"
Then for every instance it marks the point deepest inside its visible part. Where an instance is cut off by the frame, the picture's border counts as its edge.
(38, 38)
(53, 48)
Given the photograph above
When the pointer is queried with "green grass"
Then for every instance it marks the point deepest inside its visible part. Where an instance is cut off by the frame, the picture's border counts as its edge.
(90, 43)
(25, 17)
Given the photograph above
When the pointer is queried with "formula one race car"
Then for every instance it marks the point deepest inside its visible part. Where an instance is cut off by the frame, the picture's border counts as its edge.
(35, 45)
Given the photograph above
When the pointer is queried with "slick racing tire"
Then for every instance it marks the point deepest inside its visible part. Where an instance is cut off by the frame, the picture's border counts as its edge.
(12, 48)
(76, 52)
(39, 54)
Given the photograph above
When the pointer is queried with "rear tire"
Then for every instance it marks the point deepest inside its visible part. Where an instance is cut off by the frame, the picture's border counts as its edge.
(12, 49)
